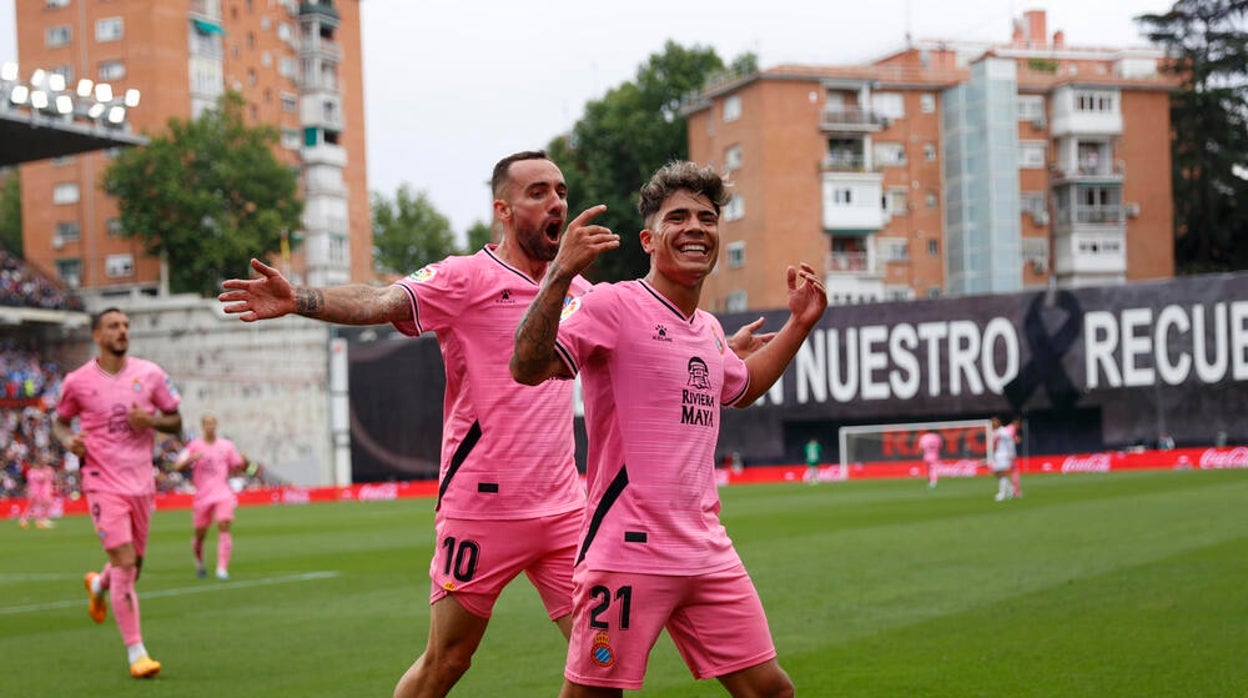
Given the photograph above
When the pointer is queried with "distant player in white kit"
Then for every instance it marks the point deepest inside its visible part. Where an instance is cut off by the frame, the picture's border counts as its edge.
(213, 459)
(1003, 454)
(656, 371)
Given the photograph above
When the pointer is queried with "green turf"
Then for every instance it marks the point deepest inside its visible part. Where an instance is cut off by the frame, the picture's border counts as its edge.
(1094, 585)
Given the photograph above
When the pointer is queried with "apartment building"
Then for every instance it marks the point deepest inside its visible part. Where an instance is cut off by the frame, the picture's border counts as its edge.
(943, 168)
(298, 66)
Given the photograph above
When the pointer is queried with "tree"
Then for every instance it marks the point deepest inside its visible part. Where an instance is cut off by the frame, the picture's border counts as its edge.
(1207, 45)
(209, 194)
(11, 211)
(479, 234)
(624, 137)
(409, 232)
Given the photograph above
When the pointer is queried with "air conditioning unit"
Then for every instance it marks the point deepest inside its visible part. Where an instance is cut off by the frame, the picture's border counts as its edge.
(57, 242)
(1040, 217)
(1132, 210)
(1038, 123)
(1040, 266)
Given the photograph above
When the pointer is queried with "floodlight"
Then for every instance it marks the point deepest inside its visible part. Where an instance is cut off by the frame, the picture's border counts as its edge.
(132, 98)
(96, 110)
(103, 92)
(39, 99)
(84, 87)
(38, 77)
(56, 82)
(116, 114)
(64, 104)
(8, 72)
(20, 94)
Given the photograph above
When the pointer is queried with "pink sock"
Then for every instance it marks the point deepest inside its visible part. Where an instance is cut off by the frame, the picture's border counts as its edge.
(125, 603)
(197, 547)
(225, 545)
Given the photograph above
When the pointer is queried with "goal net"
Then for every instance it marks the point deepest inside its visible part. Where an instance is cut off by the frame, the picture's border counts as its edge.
(894, 449)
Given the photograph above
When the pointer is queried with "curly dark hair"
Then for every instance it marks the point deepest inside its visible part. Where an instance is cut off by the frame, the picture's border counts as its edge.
(677, 175)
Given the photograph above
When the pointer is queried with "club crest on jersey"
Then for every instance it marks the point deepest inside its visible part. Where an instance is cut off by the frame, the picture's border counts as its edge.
(698, 406)
(423, 274)
(570, 305)
(138, 386)
(601, 653)
(719, 341)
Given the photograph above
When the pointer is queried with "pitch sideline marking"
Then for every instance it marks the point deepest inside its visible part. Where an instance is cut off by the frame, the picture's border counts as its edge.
(182, 591)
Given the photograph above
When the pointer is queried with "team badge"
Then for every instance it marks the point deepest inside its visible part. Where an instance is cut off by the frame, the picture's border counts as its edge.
(423, 274)
(719, 341)
(601, 653)
(138, 385)
(570, 306)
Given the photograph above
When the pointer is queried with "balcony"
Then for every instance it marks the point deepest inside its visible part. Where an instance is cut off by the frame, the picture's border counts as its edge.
(324, 9)
(846, 162)
(851, 202)
(318, 47)
(854, 263)
(852, 119)
(1089, 170)
(1108, 214)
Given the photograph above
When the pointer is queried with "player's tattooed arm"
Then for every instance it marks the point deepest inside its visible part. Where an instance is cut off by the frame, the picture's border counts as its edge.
(354, 304)
(534, 359)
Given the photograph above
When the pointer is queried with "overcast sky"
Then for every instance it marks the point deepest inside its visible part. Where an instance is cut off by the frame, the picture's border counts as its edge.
(451, 86)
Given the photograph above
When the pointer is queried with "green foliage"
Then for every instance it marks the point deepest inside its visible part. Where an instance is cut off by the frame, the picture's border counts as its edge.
(11, 211)
(409, 232)
(1043, 65)
(479, 235)
(1108, 585)
(209, 194)
(1208, 43)
(623, 138)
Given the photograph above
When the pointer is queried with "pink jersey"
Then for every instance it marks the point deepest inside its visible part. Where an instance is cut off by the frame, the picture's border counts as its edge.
(39, 482)
(119, 459)
(507, 449)
(654, 381)
(212, 469)
(929, 444)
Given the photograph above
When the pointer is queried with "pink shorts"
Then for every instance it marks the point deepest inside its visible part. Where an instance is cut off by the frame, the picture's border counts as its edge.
(121, 519)
(475, 559)
(716, 621)
(218, 510)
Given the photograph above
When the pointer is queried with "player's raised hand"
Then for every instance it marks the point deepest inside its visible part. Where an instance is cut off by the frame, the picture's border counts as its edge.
(744, 342)
(269, 295)
(583, 241)
(807, 297)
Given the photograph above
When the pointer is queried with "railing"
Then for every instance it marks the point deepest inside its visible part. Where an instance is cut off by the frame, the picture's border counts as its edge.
(847, 116)
(1096, 215)
(852, 262)
(847, 162)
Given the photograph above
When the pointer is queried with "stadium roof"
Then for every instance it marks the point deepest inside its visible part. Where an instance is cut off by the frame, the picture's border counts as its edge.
(25, 137)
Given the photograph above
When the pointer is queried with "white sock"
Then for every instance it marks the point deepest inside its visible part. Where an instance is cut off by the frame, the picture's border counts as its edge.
(136, 651)
(95, 585)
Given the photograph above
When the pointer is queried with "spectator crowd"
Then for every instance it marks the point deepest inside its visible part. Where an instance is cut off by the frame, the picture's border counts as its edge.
(23, 286)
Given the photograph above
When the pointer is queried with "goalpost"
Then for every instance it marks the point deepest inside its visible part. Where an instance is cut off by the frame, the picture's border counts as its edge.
(965, 445)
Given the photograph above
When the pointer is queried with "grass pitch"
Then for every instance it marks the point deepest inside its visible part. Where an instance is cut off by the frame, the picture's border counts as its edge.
(1128, 584)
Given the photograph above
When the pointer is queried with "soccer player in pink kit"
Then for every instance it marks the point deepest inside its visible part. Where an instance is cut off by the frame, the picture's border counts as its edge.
(929, 445)
(656, 370)
(39, 479)
(509, 497)
(120, 403)
(213, 459)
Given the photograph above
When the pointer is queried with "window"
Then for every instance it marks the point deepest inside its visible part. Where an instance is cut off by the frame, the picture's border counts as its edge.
(732, 108)
(54, 4)
(843, 195)
(66, 231)
(735, 210)
(118, 266)
(64, 160)
(1095, 101)
(736, 302)
(894, 249)
(1031, 202)
(1031, 154)
(112, 70)
(890, 154)
(891, 105)
(290, 139)
(109, 29)
(65, 71)
(933, 248)
(895, 201)
(287, 67)
(929, 152)
(736, 254)
(113, 227)
(290, 103)
(732, 158)
(57, 36)
(1030, 107)
(69, 271)
(927, 102)
(1036, 251)
(65, 193)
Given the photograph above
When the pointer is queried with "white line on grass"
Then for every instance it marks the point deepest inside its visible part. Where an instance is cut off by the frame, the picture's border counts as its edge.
(182, 591)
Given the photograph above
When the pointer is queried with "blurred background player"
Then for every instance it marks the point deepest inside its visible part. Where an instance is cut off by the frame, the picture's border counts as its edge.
(120, 403)
(814, 456)
(213, 459)
(929, 446)
(1003, 453)
(39, 479)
